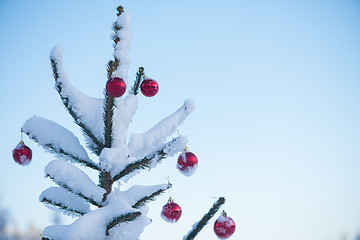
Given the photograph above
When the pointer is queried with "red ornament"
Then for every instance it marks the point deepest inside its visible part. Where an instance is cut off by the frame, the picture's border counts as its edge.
(224, 226)
(22, 154)
(115, 87)
(149, 87)
(187, 163)
(171, 212)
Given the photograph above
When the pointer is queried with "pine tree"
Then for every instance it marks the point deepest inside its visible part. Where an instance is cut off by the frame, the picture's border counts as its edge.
(101, 210)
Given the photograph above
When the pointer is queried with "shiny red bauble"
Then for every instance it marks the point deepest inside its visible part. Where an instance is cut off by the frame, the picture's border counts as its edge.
(22, 154)
(187, 163)
(224, 226)
(171, 212)
(149, 87)
(115, 87)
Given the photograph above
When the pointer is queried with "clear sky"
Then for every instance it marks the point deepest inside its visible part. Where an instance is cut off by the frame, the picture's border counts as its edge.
(277, 92)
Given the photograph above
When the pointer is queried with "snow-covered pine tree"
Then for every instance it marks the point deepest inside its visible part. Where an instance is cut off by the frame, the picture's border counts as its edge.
(114, 214)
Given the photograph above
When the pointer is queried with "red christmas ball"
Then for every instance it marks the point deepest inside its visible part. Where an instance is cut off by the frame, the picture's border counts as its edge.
(171, 212)
(22, 154)
(149, 87)
(115, 87)
(187, 163)
(224, 226)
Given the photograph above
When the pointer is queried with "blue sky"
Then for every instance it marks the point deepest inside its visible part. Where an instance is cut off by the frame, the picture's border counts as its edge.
(276, 86)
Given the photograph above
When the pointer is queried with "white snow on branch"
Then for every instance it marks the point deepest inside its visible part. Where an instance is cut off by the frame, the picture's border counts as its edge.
(122, 48)
(139, 144)
(176, 145)
(114, 158)
(88, 110)
(51, 135)
(65, 198)
(110, 156)
(66, 174)
(138, 192)
(123, 114)
(131, 230)
(92, 226)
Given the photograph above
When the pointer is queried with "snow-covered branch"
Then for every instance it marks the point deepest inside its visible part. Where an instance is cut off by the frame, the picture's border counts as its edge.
(76, 181)
(68, 202)
(97, 223)
(139, 195)
(84, 110)
(197, 227)
(58, 140)
(140, 144)
(122, 39)
(123, 115)
(150, 160)
(122, 219)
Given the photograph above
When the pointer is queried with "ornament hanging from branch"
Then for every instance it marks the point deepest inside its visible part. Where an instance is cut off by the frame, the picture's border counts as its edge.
(115, 87)
(187, 162)
(224, 226)
(171, 211)
(149, 87)
(22, 154)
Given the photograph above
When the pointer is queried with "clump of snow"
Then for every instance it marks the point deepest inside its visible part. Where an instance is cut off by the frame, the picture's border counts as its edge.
(175, 146)
(123, 114)
(87, 109)
(137, 192)
(188, 171)
(47, 132)
(131, 230)
(92, 226)
(189, 105)
(122, 47)
(56, 54)
(140, 144)
(65, 198)
(67, 174)
(111, 158)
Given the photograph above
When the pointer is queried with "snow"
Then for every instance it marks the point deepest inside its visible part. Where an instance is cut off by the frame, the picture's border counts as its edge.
(123, 114)
(176, 145)
(122, 48)
(47, 132)
(137, 192)
(188, 171)
(64, 173)
(92, 226)
(112, 159)
(131, 230)
(140, 144)
(65, 198)
(87, 109)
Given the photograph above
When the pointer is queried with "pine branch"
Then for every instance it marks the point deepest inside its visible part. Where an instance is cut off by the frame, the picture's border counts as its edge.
(108, 119)
(98, 145)
(116, 39)
(199, 226)
(140, 164)
(152, 197)
(137, 81)
(63, 207)
(64, 154)
(63, 185)
(105, 179)
(167, 149)
(121, 219)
